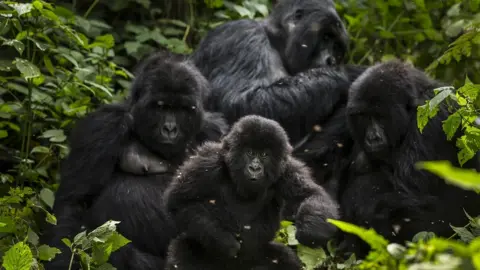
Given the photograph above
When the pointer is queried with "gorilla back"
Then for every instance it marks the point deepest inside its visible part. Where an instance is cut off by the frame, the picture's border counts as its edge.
(123, 156)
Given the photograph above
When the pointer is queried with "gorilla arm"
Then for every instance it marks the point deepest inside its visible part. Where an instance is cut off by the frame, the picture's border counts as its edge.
(192, 193)
(313, 203)
(248, 77)
(96, 143)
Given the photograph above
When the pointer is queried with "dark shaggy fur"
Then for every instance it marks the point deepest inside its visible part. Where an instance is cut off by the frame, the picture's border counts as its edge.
(227, 199)
(384, 189)
(123, 156)
(287, 68)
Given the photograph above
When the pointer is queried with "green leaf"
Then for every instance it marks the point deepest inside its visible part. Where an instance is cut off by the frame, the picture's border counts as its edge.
(54, 135)
(47, 197)
(451, 125)
(40, 149)
(101, 252)
(3, 134)
(132, 47)
(422, 116)
(48, 64)
(106, 266)
(32, 237)
(443, 93)
(464, 178)
(18, 45)
(469, 89)
(423, 236)
(46, 253)
(117, 240)
(18, 257)
(376, 241)
(291, 232)
(51, 219)
(106, 41)
(28, 69)
(40, 45)
(312, 258)
(21, 9)
(464, 234)
(67, 242)
(213, 3)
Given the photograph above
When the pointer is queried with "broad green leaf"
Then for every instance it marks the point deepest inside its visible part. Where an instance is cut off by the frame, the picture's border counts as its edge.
(47, 196)
(18, 257)
(451, 124)
(469, 89)
(51, 219)
(28, 69)
(312, 258)
(443, 93)
(423, 236)
(54, 135)
(21, 8)
(291, 232)
(106, 266)
(117, 240)
(464, 178)
(18, 45)
(104, 231)
(32, 237)
(213, 3)
(106, 41)
(396, 250)
(101, 252)
(48, 64)
(37, 5)
(40, 149)
(376, 241)
(464, 233)
(132, 47)
(8, 224)
(46, 253)
(67, 242)
(40, 45)
(422, 116)
(3, 134)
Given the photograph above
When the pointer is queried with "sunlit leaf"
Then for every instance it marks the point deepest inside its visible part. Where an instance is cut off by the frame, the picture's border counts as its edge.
(28, 69)
(18, 257)
(46, 253)
(465, 178)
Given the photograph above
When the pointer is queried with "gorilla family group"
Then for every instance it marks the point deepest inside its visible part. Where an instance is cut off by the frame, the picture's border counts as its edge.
(262, 122)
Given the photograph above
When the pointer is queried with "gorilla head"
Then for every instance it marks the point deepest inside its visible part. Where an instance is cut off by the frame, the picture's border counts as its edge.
(166, 104)
(382, 105)
(256, 150)
(307, 33)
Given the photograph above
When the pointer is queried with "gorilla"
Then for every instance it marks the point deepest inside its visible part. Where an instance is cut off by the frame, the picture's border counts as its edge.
(124, 155)
(287, 68)
(384, 190)
(227, 200)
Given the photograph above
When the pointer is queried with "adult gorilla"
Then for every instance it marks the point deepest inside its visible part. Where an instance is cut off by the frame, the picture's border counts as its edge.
(124, 155)
(269, 68)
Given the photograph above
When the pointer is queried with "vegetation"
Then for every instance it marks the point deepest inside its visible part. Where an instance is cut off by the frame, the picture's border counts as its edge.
(60, 61)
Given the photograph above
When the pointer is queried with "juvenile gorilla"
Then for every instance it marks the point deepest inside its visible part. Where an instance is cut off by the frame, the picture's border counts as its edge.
(287, 68)
(384, 189)
(123, 156)
(227, 199)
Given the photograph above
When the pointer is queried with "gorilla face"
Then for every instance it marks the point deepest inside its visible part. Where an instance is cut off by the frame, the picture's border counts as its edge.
(314, 32)
(167, 124)
(381, 107)
(255, 153)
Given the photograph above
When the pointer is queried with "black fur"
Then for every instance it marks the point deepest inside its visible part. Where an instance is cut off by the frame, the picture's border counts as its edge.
(121, 161)
(287, 68)
(384, 189)
(228, 221)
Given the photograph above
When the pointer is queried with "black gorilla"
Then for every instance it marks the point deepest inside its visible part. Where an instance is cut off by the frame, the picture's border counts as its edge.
(384, 189)
(270, 68)
(123, 156)
(227, 199)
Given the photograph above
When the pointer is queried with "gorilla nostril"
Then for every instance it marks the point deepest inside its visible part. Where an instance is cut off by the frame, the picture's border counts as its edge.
(170, 130)
(330, 61)
(254, 168)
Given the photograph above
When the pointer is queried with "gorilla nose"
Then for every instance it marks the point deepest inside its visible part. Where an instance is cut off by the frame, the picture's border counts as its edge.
(330, 61)
(170, 130)
(254, 168)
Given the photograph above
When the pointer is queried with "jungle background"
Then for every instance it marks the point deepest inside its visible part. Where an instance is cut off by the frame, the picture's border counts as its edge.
(60, 60)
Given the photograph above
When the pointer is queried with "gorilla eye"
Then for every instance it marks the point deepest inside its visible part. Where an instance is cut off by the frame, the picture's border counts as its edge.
(263, 154)
(298, 14)
(249, 153)
(160, 103)
(194, 107)
(327, 37)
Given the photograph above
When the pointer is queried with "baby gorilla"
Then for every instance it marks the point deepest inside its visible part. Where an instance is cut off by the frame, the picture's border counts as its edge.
(226, 201)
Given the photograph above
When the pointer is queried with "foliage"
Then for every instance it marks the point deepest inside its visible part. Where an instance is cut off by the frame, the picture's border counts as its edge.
(60, 61)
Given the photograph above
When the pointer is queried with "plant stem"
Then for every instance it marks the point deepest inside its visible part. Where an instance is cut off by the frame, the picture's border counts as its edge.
(90, 8)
